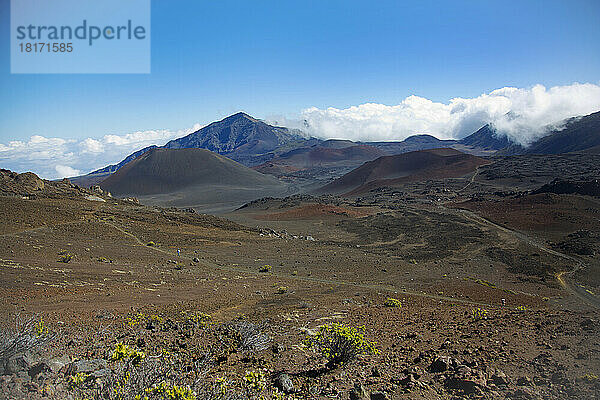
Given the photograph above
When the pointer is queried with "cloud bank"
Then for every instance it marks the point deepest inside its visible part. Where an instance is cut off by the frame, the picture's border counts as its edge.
(523, 115)
(54, 158)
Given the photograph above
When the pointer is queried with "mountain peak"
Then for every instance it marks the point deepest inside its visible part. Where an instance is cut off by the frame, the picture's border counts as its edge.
(486, 139)
(239, 116)
(241, 137)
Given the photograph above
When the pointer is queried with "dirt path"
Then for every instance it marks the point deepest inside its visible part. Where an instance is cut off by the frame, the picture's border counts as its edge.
(562, 277)
(471, 180)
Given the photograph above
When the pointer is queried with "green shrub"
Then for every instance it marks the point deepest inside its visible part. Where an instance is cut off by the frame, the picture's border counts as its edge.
(196, 319)
(172, 391)
(124, 352)
(78, 379)
(255, 381)
(135, 320)
(479, 314)
(282, 290)
(265, 268)
(65, 257)
(391, 302)
(589, 378)
(340, 344)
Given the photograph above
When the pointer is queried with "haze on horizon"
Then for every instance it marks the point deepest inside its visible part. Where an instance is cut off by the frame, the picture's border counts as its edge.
(351, 70)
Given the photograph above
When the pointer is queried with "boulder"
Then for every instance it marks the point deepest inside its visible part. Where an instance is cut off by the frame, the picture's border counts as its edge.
(86, 366)
(39, 368)
(440, 364)
(524, 381)
(499, 378)
(358, 392)
(524, 393)
(284, 383)
(379, 396)
(18, 363)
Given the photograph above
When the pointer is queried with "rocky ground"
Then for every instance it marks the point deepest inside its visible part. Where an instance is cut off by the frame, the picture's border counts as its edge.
(117, 299)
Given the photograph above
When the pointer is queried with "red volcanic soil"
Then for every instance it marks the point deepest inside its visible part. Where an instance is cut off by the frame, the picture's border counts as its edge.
(311, 211)
(407, 167)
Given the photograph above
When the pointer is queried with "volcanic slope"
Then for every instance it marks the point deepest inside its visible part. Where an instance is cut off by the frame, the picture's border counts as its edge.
(195, 178)
(403, 168)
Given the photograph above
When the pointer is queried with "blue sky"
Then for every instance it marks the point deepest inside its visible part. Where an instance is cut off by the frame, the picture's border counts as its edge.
(278, 58)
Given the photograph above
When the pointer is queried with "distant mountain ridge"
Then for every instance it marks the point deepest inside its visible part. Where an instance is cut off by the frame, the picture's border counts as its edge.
(327, 154)
(254, 143)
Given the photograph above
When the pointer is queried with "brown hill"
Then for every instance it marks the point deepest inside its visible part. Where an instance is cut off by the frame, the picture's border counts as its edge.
(30, 185)
(19, 184)
(403, 168)
(190, 178)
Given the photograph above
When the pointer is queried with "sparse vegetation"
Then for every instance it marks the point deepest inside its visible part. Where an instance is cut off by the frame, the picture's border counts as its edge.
(255, 381)
(65, 257)
(27, 334)
(172, 392)
(137, 330)
(479, 314)
(78, 379)
(124, 352)
(340, 344)
(392, 302)
(588, 378)
(265, 269)
(197, 319)
(249, 337)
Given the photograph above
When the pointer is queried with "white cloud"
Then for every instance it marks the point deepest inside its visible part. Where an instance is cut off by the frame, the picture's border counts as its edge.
(521, 114)
(54, 158)
(90, 145)
(64, 171)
